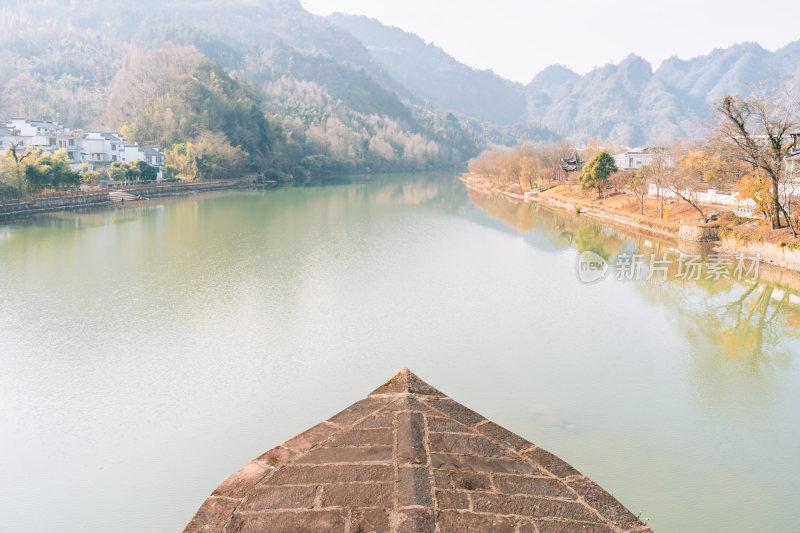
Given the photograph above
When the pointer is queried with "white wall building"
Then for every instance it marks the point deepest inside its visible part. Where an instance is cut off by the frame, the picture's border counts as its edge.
(90, 149)
(102, 148)
(48, 136)
(7, 139)
(742, 207)
(639, 157)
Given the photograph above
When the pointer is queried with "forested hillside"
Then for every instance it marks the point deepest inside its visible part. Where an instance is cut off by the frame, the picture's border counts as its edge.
(336, 94)
(290, 90)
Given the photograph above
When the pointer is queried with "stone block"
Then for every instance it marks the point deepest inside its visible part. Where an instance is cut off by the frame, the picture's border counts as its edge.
(411, 439)
(467, 463)
(357, 495)
(347, 454)
(530, 506)
(369, 521)
(212, 516)
(414, 487)
(551, 463)
(450, 499)
(242, 480)
(414, 521)
(455, 410)
(276, 456)
(268, 497)
(464, 445)
(309, 521)
(505, 436)
(311, 437)
(605, 503)
(364, 437)
(471, 481)
(534, 486)
(358, 411)
(317, 474)
(436, 423)
(466, 522)
(568, 526)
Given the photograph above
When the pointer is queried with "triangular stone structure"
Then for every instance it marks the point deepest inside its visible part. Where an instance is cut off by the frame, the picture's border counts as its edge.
(409, 459)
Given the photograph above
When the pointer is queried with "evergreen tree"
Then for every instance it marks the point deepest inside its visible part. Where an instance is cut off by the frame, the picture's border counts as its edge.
(596, 172)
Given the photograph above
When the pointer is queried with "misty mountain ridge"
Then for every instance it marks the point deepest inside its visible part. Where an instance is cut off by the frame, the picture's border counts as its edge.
(60, 62)
(354, 88)
(625, 103)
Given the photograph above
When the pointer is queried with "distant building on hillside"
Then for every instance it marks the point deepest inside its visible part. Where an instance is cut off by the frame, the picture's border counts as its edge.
(103, 148)
(639, 157)
(6, 138)
(91, 149)
(150, 154)
(46, 135)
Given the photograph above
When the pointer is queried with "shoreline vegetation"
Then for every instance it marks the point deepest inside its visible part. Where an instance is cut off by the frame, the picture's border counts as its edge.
(735, 236)
(747, 164)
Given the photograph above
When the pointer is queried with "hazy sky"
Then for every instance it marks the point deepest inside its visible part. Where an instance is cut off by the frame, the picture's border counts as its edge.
(517, 39)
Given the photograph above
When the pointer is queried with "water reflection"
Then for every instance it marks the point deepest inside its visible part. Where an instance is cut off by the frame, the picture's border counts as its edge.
(740, 319)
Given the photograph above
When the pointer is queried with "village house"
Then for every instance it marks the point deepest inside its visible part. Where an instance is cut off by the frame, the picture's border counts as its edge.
(102, 148)
(46, 135)
(92, 150)
(639, 157)
(6, 138)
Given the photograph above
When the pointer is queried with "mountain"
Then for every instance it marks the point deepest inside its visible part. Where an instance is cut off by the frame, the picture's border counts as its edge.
(629, 103)
(429, 73)
(626, 103)
(349, 88)
(318, 81)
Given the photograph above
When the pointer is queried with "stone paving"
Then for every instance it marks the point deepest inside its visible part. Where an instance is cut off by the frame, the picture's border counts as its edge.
(409, 459)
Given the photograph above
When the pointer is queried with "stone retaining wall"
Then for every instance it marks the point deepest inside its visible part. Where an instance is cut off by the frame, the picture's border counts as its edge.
(157, 191)
(37, 206)
(781, 256)
(698, 233)
(17, 210)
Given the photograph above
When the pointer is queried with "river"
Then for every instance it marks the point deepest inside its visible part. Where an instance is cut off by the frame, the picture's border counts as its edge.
(147, 352)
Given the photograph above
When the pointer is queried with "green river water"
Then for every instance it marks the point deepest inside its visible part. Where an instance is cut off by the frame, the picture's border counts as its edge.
(148, 352)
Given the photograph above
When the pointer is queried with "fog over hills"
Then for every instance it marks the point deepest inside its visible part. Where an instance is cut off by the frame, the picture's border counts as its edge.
(355, 89)
(59, 61)
(627, 103)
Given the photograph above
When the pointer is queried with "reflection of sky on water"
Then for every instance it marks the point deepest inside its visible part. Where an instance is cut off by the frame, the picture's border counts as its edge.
(165, 346)
(737, 319)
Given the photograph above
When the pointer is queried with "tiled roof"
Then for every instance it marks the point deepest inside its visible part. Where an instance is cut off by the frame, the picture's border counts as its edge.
(409, 459)
(151, 150)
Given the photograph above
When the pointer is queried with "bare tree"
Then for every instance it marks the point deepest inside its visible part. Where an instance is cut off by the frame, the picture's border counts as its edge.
(660, 172)
(756, 130)
(636, 184)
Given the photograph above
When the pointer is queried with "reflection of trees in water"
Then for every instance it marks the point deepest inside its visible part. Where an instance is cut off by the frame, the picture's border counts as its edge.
(441, 191)
(561, 231)
(725, 320)
(745, 322)
(523, 217)
(594, 239)
(740, 338)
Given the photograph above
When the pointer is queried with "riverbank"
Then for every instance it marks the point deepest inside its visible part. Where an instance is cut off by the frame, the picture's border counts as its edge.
(731, 235)
(41, 206)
